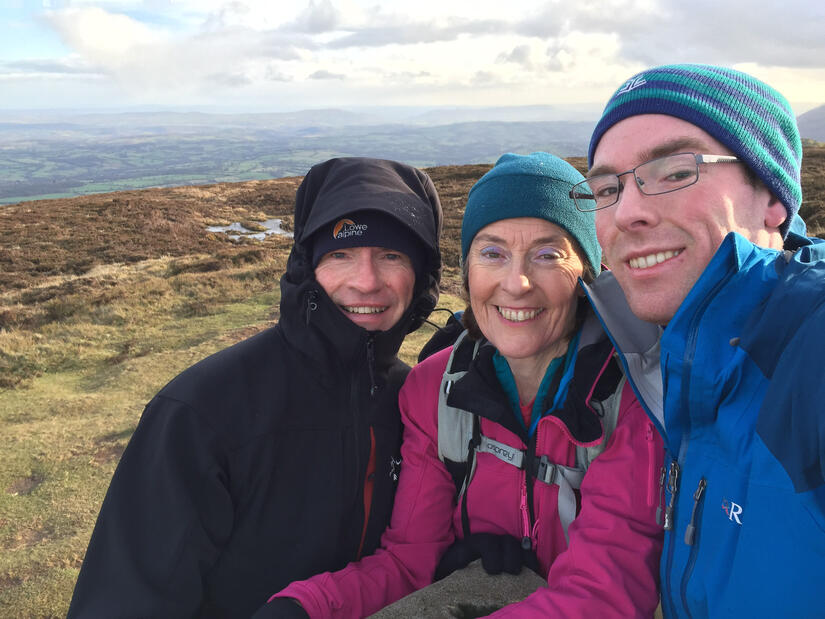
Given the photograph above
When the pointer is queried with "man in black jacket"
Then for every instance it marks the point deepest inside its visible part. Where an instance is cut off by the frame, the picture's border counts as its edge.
(276, 458)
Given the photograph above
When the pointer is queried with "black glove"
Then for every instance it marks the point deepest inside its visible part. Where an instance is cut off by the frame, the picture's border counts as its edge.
(281, 608)
(498, 553)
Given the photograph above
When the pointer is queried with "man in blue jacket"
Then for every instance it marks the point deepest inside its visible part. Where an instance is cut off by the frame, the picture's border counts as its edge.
(695, 180)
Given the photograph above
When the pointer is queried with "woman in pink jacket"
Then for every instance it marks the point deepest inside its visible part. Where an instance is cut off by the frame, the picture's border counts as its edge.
(537, 400)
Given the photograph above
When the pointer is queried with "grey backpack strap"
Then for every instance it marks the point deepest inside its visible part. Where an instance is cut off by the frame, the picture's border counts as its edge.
(568, 479)
(608, 411)
(455, 425)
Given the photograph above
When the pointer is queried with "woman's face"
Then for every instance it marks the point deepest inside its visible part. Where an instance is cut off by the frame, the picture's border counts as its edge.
(522, 279)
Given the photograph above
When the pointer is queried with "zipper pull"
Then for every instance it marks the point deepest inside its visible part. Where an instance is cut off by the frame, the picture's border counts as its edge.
(660, 508)
(526, 541)
(311, 303)
(690, 532)
(673, 488)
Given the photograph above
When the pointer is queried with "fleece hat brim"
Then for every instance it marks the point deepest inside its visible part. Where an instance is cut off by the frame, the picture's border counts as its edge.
(369, 229)
(535, 185)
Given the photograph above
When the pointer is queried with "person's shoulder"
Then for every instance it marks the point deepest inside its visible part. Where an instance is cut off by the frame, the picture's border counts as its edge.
(431, 369)
(229, 374)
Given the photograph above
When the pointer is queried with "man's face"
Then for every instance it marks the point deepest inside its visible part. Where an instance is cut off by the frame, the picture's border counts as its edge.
(372, 286)
(658, 246)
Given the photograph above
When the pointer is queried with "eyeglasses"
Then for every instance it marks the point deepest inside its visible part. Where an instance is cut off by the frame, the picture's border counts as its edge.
(653, 177)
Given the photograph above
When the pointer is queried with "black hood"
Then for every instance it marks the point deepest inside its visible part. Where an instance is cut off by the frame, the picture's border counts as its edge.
(342, 186)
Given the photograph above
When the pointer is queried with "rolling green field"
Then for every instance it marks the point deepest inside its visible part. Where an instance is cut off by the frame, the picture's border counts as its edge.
(74, 160)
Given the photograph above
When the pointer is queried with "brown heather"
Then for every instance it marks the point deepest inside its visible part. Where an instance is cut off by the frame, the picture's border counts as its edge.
(103, 299)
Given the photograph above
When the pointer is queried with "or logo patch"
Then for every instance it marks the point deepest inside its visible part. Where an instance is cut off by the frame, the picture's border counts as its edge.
(631, 85)
(344, 228)
(733, 510)
(395, 468)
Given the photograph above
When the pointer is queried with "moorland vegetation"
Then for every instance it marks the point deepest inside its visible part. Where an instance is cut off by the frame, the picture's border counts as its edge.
(103, 299)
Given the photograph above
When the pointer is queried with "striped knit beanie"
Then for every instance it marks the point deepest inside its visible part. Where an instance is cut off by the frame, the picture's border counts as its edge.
(535, 185)
(749, 117)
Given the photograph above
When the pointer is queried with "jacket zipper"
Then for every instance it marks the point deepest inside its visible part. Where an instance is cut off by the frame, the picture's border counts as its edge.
(692, 539)
(651, 463)
(369, 473)
(528, 516)
(371, 364)
(312, 304)
(369, 485)
(670, 509)
(690, 349)
(526, 540)
(660, 509)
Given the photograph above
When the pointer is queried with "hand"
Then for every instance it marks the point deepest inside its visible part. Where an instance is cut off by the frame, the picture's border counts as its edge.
(498, 553)
(281, 608)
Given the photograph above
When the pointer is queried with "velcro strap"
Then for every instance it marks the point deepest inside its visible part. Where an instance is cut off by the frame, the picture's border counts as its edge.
(505, 453)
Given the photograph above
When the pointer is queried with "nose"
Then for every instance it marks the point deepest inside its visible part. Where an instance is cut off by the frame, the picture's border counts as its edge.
(366, 277)
(634, 209)
(517, 279)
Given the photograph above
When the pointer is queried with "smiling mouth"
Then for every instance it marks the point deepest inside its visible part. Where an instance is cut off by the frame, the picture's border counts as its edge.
(361, 309)
(518, 315)
(645, 262)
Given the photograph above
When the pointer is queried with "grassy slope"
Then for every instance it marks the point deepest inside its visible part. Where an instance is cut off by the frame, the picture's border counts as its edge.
(105, 298)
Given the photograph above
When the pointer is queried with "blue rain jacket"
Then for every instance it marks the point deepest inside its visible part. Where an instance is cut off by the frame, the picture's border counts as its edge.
(736, 385)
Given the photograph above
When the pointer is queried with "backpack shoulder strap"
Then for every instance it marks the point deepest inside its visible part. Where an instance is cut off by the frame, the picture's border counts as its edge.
(608, 411)
(455, 425)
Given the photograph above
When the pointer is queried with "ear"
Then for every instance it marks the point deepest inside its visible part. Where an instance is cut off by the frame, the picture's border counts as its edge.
(775, 213)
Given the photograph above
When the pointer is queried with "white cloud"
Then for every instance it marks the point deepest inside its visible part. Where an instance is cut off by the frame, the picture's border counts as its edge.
(461, 52)
(323, 74)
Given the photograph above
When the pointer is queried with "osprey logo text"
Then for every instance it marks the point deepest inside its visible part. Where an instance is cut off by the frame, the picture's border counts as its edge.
(733, 510)
(499, 451)
(632, 85)
(344, 228)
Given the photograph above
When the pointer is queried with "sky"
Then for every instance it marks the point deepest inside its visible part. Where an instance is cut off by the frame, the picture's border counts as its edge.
(273, 55)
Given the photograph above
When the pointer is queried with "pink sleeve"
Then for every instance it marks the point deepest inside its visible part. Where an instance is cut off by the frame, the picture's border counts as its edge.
(610, 568)
(421, 526)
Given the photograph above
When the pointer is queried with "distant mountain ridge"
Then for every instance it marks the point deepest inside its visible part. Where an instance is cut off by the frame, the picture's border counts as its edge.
(56, 156)
(812, 124)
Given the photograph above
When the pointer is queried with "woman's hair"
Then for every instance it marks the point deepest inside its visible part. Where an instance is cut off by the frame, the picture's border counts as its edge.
(468, 319)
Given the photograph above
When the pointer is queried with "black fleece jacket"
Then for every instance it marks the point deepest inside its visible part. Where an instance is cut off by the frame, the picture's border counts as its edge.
(249, 470)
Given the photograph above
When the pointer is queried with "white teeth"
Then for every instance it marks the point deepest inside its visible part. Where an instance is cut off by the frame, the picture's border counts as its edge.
(359, 309)
(518, 315)
(643, 262)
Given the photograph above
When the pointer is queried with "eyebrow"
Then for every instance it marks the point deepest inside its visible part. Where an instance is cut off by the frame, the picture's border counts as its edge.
(672, 146)
(491, 238)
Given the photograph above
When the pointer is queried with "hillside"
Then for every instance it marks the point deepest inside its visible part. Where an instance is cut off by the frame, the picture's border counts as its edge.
(812, 124)
(103, 299)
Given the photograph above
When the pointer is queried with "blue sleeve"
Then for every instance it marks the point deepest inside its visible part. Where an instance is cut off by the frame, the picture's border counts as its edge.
(792, 419)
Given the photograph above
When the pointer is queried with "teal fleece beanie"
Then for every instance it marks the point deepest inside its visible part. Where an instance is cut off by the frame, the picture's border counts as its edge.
(745, 114)
(535, 185)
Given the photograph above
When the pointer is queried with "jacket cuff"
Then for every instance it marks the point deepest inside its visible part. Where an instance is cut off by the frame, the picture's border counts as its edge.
(281, 608)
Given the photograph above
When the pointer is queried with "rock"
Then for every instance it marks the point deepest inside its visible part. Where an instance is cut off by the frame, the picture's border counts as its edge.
(466, 593)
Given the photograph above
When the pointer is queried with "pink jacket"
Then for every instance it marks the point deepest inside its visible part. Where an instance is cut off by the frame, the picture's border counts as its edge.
(610, 567)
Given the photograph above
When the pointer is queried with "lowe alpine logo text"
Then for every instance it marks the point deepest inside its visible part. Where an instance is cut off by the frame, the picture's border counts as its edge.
(733, 510)
(344, 228)
(631, 85)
